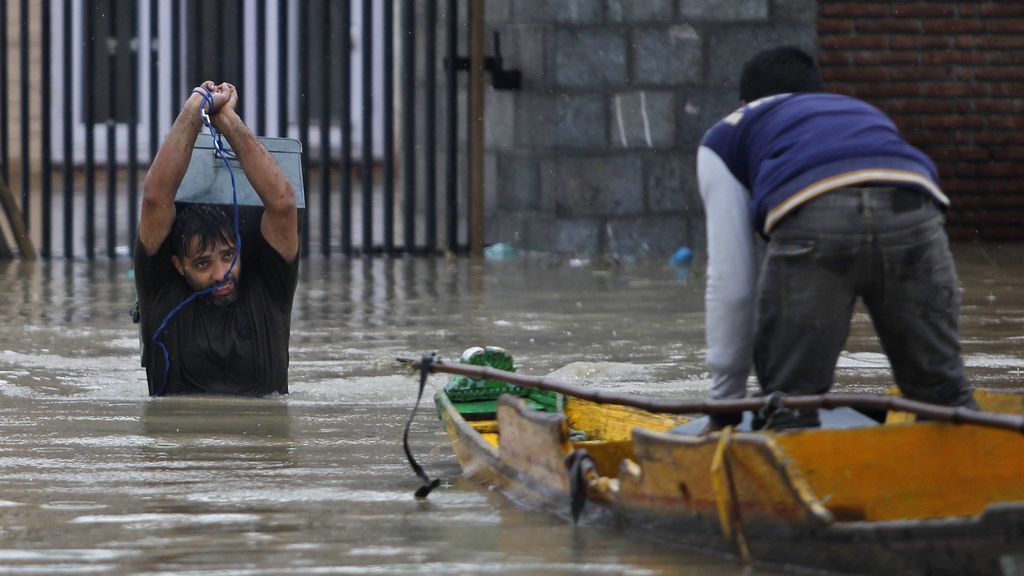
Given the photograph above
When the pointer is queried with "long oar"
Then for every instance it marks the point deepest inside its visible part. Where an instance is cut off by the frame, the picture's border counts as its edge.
(708, 406)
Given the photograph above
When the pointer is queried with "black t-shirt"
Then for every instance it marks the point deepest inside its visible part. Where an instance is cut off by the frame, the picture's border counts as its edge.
(241, 348)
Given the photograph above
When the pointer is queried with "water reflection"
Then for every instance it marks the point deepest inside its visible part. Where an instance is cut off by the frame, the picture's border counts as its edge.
(214, 418)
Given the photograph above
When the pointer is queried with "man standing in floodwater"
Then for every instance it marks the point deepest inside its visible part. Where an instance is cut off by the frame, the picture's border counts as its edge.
(233, 338)
(848, 209)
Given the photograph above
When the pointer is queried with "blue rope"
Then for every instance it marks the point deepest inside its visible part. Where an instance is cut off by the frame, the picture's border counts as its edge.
(225, 154)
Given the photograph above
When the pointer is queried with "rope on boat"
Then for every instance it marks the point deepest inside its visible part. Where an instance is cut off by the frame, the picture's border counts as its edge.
(726, 496)
(429, 484)
(581, 467)
(957, 415)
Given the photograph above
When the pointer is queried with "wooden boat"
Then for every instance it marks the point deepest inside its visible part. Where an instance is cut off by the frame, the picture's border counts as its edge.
(901, 498)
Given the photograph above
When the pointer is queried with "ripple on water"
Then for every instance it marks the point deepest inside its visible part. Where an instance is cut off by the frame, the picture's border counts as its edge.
(73, 505)
(167, 519)
(332, 494)
(63, 554)
(862, 360)
(993, 361)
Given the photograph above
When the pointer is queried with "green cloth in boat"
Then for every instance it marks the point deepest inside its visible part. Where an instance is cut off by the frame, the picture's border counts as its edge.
(467, 389)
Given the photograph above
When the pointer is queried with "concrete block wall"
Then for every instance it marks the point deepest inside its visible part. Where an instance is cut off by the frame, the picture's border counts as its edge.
(951, 75)
(595, 155)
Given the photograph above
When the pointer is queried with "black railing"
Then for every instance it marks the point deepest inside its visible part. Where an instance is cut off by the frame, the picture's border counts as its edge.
(26, 174)
(115, 72)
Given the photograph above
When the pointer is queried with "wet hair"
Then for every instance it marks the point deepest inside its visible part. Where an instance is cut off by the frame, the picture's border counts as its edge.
(780, 71)
(198, 227)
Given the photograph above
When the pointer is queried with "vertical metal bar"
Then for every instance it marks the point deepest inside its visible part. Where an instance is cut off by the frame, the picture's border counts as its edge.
(26, 168)
(112, 43)
(193, 73)
(261, 67)
(5, 161)
(388, 130)
(452, 123)
(45, 111)
(367, 171)
(282, 65)
(304, 106)
(220, 43)
(154, 79)
(409, 124)
(133, 127)
(68, 135)
(176, 60)
(239, 81)
(345, 72)
(476, 129)
(87, 103)
(325, 130)
(430, 125)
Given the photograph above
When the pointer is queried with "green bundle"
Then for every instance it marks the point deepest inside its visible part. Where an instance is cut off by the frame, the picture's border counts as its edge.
(462, 389)
(468, 389)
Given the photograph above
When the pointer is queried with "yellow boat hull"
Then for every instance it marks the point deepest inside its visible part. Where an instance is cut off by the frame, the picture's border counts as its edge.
(926, 498)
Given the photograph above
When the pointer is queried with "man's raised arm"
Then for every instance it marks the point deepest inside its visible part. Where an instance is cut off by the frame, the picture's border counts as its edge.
(166, 172)
(280, 225)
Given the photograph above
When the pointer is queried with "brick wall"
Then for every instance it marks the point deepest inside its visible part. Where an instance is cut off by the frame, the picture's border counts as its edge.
(951, 75)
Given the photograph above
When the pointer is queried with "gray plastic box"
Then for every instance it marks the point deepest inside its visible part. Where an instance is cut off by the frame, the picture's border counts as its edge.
(207, 180)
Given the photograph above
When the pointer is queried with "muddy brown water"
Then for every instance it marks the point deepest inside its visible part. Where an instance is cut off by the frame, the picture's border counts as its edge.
(96, 477)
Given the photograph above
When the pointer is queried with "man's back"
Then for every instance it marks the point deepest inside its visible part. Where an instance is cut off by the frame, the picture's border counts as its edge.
(789, 148)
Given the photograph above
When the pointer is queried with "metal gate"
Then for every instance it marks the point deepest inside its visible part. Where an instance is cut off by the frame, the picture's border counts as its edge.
(95, 85)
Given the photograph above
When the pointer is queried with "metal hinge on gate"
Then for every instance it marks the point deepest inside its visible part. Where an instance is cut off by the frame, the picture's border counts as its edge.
(501, 79)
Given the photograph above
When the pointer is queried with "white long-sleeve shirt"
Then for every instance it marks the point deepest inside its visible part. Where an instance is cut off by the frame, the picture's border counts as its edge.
(733, 264)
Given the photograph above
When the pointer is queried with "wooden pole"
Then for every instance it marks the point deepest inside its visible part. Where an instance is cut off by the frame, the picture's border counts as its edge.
(708, 406)
(476, 128)
(6, 253)
(16, 222)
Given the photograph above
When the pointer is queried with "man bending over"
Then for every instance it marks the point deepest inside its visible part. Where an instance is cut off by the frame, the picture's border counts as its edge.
(849, 210)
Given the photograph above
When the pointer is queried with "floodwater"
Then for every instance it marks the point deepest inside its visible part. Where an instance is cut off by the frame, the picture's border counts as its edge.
(96, 477)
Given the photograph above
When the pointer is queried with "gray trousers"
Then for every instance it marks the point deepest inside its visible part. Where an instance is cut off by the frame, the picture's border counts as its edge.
(888, 247)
